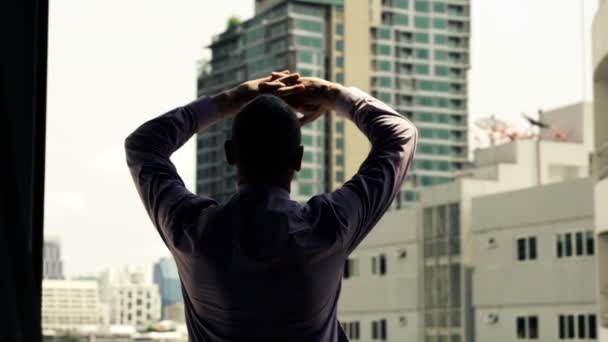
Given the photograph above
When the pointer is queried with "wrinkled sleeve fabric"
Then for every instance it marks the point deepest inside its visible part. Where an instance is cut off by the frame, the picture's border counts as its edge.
(362, 200)
(165, 197)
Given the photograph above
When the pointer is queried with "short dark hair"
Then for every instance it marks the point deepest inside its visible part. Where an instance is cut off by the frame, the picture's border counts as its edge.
(266, 135)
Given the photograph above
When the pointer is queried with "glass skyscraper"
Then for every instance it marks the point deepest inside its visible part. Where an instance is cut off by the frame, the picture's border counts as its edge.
(303, 36)
(419, 56)
(412, 54)
(166, 277)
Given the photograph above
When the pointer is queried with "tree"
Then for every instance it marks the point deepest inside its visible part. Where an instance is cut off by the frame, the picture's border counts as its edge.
(233, 22)
(68, 338)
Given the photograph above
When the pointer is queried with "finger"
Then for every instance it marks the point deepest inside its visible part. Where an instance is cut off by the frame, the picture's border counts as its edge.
(290, 79)
(271, 86)
(290, 90)
(278, 74)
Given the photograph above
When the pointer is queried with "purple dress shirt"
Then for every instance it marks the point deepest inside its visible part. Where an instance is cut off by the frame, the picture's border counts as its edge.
(262, 267)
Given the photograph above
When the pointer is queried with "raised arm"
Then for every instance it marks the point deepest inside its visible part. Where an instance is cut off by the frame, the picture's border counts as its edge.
(362, 201)
(367, 196)
(169, 204)
(160, 188)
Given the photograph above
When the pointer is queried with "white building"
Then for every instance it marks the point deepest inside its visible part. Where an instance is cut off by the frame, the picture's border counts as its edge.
(70, 305)
(600, 98)
(534, 269)
(379, 297)
(412, 278)
(131, 297)
(52, 265)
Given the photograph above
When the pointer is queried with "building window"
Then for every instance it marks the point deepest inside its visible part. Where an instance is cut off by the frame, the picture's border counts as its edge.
(309, 25)
(421, 22)
(351, 268)
(305, 189)
(340, 143)
(306, 57)
(401, 19)
(533, 327)
(340, 62)
(590, 242)
(439, 23)
(574, 244)
(339, 29)
(374, 330)
(421, 69)
(421, 37)
(440, 39)
(527, 327)
(305, 173)
(526, 248)
(532, 248)
(379, 330)
(384, 66)
(340, 45)
(340, 77)
(379, 264)
(385, 97)
(582, 326)
(339, 159)
(402, 3)
(422, 53)
(340, 126)
(422, 6)
(568, 244)
(384, 33)
(592, 322)
(309, 41)
(438, 7)
(441, 55)
(340, 176)
(351, 330)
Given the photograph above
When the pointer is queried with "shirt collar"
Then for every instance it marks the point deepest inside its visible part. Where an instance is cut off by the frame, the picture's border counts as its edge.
(262, 188)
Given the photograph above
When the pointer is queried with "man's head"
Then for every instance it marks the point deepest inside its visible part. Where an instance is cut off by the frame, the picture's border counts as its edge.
(265, 144)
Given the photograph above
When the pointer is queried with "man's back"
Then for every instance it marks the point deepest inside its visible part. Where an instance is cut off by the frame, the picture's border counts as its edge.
(261, 266)
(264, 264)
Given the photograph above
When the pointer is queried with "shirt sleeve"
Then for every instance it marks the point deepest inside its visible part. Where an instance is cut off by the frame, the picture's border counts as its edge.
(165, 197)
(362, 200)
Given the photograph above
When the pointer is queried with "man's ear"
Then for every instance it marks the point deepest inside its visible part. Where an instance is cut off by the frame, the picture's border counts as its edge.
(298, 160)
(230, 151)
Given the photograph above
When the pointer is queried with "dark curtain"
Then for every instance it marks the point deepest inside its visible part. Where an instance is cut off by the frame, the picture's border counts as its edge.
(23, 55)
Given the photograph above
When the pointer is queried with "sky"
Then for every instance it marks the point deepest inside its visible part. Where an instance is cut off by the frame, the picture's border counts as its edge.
(114, 64)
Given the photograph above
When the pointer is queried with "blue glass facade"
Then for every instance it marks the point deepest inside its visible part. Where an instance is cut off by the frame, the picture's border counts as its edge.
(166, 277)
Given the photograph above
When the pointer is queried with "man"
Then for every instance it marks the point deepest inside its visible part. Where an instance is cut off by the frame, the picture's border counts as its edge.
(262, 267)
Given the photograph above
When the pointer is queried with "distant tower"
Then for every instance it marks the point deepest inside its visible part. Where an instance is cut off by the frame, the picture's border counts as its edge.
(167, 279)
(52, 264)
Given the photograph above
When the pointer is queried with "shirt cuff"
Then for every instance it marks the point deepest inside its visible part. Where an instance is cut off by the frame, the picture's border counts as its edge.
(205, 111)
(346, 101)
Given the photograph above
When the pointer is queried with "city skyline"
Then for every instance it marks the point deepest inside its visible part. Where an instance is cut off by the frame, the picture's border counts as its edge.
(91, 204)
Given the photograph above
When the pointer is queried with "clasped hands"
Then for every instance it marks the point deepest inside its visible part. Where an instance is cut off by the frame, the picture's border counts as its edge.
(310, 96)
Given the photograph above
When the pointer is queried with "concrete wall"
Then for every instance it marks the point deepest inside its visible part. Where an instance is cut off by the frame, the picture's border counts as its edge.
(504, 330)
(600, 92)
(393, 296)
(547, 286)
(357, 72)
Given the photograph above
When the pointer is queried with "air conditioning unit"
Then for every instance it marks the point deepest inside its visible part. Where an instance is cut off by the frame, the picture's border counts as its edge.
(402, 254)
(492, 242)
(492, 318)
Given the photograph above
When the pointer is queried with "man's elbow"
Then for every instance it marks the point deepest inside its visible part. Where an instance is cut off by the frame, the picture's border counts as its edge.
(130, 146)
